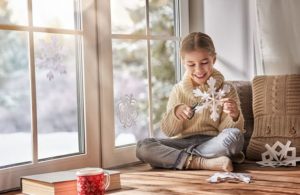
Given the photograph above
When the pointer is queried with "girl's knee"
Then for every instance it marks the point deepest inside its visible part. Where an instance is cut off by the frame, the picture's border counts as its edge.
(145, 142)
(233, 139)
(233, 133)
(142, 147)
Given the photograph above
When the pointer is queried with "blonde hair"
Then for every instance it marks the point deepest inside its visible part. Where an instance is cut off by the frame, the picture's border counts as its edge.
(197, 41)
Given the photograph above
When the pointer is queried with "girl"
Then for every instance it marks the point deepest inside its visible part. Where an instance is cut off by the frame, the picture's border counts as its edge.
(197, 141)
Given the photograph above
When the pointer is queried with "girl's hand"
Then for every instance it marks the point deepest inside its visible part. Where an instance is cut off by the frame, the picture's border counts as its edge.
(183, 112)
(230, 107)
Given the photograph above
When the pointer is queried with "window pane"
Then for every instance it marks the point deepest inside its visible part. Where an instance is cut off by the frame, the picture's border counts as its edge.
(13, 12)
(130, 90)
(163, 79)
(161, 17)
(128, 16)
(57, 58)
(55, 13)
(15, 111)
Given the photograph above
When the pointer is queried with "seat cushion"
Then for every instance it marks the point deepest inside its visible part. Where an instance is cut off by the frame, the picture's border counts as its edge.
(244, 90)
(276, 110)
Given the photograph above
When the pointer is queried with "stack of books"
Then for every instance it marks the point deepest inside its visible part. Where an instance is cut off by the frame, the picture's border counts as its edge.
(60, 183)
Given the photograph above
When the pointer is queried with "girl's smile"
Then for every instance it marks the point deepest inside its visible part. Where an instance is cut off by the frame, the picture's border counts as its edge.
(199, 65)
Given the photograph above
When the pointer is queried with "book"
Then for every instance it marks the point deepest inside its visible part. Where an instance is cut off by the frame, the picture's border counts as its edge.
(60, 183)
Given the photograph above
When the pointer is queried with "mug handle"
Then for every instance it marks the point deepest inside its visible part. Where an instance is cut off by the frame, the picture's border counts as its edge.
(107, 179)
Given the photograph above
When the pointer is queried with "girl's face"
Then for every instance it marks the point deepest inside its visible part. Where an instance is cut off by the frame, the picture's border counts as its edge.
(199, 65)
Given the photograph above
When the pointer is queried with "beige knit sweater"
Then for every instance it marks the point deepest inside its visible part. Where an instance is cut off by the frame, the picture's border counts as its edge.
(201, 123)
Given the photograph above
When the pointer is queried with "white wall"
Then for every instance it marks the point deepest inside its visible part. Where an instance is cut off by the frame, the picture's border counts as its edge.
(228, 24)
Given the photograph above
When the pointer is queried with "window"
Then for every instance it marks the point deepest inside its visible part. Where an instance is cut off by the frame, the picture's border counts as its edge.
(44, 93)
(139, 62)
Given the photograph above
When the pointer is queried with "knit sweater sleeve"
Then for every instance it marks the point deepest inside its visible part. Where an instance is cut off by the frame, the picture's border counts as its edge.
(226, 120)
(170, 124)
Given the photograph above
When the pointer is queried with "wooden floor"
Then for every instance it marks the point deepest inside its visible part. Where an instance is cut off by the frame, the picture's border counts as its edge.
(143, 180)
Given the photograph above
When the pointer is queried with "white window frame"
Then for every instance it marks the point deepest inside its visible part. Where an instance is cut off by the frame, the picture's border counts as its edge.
(91, 157)
(116, 156)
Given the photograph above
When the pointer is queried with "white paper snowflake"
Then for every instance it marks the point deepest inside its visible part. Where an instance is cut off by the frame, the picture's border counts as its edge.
(279, 155)
(211, 98)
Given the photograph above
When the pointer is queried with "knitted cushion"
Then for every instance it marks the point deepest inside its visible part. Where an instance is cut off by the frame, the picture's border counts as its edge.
(244, 91)
(276, 109)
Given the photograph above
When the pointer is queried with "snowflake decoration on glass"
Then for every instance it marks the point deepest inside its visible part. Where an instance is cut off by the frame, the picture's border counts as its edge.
(211, 98)
(127, 111)
(50, 55)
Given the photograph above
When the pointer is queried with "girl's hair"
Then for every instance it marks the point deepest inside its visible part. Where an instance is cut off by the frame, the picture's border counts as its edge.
(197, 41)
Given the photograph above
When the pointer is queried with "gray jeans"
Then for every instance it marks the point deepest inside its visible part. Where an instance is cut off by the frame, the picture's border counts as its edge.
(172, 153)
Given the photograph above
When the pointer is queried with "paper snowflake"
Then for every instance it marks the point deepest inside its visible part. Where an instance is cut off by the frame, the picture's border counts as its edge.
(230, 177)
(211, 98)
(279, 155)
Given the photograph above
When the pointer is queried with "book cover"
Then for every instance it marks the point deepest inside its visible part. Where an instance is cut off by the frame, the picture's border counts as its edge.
(60, 183)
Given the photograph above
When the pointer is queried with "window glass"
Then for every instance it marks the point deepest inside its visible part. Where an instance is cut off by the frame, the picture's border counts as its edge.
(13, 12)
(15, 109)
(128, 16)
(130, 66)
(163, 79)
(57, 60)
(130, 91)
(161, 17)
(55, 13)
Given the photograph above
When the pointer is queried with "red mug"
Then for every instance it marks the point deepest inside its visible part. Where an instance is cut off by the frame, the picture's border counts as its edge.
(92, 181)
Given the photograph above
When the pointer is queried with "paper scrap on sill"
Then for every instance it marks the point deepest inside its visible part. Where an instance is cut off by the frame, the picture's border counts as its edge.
(229, 177)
